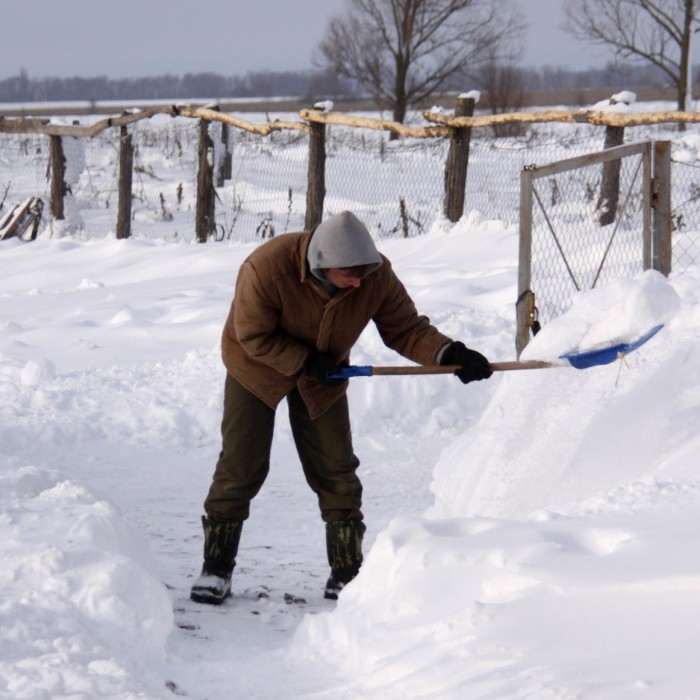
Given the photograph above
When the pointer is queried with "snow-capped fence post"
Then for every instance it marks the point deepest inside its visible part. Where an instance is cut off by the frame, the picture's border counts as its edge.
(458, 161)
(126, 161)
(316, 178)
(204, 216)
(661, 208)
(57, 164)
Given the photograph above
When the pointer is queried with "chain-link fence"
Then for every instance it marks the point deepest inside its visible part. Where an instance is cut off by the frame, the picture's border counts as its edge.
(266, 194)
(23, 168)
(493, 183)
(582, 236)
(396, 186)
(685, 197)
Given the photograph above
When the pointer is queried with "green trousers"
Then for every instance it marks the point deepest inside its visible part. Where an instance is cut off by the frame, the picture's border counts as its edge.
(324, 446)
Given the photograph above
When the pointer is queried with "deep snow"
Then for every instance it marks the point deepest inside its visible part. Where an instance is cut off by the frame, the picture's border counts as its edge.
(531, 536)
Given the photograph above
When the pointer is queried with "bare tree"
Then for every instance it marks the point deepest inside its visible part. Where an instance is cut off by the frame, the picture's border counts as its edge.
(504, 85)
(656, 31)
(404, 51)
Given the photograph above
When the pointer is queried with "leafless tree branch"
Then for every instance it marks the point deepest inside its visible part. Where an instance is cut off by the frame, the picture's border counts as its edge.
(655, 31)
(404, 51)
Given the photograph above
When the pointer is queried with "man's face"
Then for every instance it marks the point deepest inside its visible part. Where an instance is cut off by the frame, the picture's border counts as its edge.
(342, 277)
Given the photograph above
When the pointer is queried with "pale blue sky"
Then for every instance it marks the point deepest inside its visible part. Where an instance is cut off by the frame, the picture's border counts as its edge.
(132, 38)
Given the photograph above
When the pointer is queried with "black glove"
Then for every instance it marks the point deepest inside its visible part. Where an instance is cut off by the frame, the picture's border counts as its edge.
(473, 365)
(320, 365)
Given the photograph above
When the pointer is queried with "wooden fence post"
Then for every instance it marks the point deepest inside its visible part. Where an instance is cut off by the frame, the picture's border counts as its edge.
(610, 180)
(126, 162)
(57, 161)
(204, 216)
(661, 203)
(457, 162)
(224, 169)
(316, 182)
(222, 164)
(525, 304)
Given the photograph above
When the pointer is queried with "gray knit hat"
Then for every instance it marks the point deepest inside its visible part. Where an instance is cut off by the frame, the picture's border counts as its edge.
(342, 241)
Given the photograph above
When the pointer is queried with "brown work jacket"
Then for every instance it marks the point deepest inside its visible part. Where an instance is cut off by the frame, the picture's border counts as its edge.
(281, 312)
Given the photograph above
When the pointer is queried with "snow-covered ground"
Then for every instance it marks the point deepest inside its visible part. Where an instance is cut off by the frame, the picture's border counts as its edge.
(534, 536)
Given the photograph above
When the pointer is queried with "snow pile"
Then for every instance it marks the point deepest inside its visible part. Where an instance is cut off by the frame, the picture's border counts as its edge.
(563, 533)
(83, 613)
(554, 607)
(617, 313)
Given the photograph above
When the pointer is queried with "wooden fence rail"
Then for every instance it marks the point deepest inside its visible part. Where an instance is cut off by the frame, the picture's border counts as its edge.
(24, 125)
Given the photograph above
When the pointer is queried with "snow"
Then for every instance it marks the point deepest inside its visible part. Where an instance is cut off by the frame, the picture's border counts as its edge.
(532, 536)
(324, 105)
(474, 94)
(619, 102)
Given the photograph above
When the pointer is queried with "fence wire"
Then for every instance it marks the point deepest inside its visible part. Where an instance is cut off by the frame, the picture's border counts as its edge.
(23, 168)
(575, 246)
(396, 187)
(685, 205)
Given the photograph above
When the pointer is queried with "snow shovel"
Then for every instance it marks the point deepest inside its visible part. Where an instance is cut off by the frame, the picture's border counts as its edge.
(578, 360)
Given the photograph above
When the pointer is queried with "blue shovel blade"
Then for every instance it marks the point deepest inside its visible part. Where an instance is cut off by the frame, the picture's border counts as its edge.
(604, 356)
(352, 371)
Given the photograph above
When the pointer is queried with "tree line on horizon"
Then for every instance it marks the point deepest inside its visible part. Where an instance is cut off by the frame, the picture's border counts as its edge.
(311, 84)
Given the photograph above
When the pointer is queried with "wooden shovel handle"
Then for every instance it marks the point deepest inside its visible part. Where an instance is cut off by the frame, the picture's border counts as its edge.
(451, 369)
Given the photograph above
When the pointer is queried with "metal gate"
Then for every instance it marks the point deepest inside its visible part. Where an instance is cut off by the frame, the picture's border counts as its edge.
(589, 220)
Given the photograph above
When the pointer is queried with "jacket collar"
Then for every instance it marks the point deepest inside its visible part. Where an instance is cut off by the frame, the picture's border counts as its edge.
(305, 273)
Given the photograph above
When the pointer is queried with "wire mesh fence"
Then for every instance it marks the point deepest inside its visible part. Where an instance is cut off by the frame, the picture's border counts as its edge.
(581, 236)
(23, 165)
(396, 187)
(685, 198)
(266, 194)
(493, 183)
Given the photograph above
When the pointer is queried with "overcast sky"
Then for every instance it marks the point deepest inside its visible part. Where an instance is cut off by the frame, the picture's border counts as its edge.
(136, 38)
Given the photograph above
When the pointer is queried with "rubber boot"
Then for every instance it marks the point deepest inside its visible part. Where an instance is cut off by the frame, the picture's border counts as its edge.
(344, 548)
(220, 548)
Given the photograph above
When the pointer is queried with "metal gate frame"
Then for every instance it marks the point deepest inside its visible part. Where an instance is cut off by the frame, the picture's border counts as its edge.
(656, 218)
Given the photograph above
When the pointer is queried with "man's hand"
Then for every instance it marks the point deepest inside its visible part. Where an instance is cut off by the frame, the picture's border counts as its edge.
(473, 365)
(320, 365)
